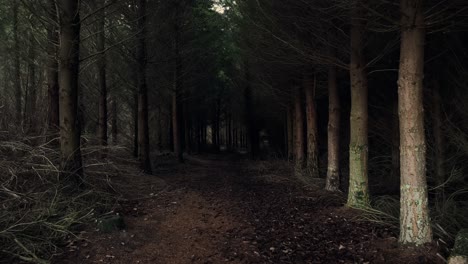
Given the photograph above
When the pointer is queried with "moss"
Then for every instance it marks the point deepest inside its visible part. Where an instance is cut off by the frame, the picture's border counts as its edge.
(111, 223)
(461, 244)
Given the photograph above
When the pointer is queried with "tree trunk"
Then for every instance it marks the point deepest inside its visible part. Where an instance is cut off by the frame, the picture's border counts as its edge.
(290, 128)
(187, 130)
(334, 119)
(52, 70)
(415, 225)
(17, 65)
(311, 124)
(358, 195)
(253, 144)
(439, 144)
(143, 133)
(101, 64)
(30, 109)
(176, 128)
(176, 114)
(70, 150)
(299, 146)
(115, 129)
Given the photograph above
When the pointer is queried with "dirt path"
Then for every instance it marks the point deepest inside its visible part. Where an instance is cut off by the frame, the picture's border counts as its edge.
(220, 210)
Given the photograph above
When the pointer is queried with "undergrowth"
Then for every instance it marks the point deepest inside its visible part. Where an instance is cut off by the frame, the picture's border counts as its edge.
(39, 213)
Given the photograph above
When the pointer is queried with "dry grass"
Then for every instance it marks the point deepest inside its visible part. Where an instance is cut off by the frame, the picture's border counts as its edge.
(39, 213)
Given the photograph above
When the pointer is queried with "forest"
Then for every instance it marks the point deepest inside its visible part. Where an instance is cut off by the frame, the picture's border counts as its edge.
(233, 131)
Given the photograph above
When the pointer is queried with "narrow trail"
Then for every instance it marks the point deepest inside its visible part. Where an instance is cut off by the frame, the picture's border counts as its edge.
(220, 210)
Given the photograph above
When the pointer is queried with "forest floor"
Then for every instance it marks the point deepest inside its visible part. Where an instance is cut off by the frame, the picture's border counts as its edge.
(223, 209)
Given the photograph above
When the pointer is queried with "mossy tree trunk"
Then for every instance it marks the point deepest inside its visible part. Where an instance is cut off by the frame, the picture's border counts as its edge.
(358, 195)
(311, 124)
(71, 163)
(334, 119)
(415, 225)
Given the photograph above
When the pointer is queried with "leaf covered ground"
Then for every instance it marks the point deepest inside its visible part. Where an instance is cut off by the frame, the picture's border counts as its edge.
(228, 210)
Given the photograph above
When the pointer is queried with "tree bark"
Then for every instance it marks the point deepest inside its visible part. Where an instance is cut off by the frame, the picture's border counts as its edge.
(52, 70)
(415, 225)
(299, 146)
(439, 143)
(358, 195)
(334, 119)
(30, 107)
(290, 134)
(187, 130)
(176, 114)
(17, 65)
(70, 149)
(101, 64)
(143, 133)
(311, 124)
(115, 129)
(253, 144)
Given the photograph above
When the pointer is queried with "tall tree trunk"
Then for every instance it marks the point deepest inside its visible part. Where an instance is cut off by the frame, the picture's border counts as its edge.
(415, 225)
(218, 123)
(334, 119)
(311, 124)
(16, 64)
(70, 149)
(198, 135)
(290, 128)
(358, 195)
(252, 132)
(115, 129)
(101, 64)
(299, 146)
(32, 87)
(143, 133)
(176, 114)
(187, 130)
(176, 135)
(52, 69)
(438, 144)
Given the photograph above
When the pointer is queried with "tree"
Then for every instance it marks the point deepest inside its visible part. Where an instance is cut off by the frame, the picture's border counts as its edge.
(334, 118)
(17, 64)
(310, 84)
(143, 133)
(176, 113)
(415, 225)
(101, 65)
(358, 195)
(52, 68)
(69, 52)
(299, 146)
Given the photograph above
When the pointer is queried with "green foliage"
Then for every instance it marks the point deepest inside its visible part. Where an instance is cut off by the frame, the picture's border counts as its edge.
(461, 244)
